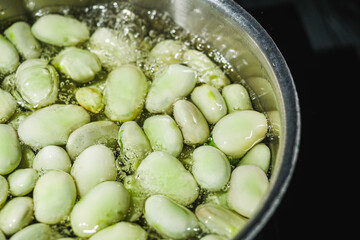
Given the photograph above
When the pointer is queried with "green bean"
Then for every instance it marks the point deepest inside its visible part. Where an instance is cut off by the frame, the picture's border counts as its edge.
(20, 35)
(60, 30)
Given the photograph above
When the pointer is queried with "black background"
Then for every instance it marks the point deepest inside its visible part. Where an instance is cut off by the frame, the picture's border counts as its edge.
(320, 40)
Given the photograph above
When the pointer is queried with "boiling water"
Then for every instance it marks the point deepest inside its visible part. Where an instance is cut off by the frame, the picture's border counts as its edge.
(141, 29)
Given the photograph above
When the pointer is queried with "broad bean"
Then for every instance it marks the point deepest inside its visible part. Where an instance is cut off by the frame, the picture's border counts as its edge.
(236, 98)
(121, 230)
(52, 158)
(10, 149)
(259, 156)
(90, 98)
(9, 57)
(4, 190)
(167, 52)
(22, 181)
(37, 231)
(8, 106)
(94, 165)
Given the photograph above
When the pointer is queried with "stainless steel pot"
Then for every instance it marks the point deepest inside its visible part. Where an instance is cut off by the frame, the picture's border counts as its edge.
(252, 53)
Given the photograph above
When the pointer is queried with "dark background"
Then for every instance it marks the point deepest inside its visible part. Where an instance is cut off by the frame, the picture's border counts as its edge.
(320, 40)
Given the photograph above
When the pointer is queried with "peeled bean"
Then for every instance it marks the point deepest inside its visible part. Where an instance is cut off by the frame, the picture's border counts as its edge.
(161, 173)
(16, 214)
(52, 158)
(192, 123)
(236, 98)
(20, 35)
(37, 82)
(164, 134)
(100, 132)
(4, 190)
(9, 57)
(211, 168)
(22, 181)
(239, 131)
(167, 52)
(52, 125)
(60, 30)
(169, 218)
(209, 72)
(90, 98)
(54, 196)
(2, 236)
(121, 230)
(248, 186)
(79, 64)
(125, 93)
(8, 106)
(10, 149)
(94, 165)
(174, 83)
(220, 220)
(134, 144)
(210, 102)
(259, 156)
(107, 203)
(137, 196)
(213, 237)
(37, 231)
(112, 50)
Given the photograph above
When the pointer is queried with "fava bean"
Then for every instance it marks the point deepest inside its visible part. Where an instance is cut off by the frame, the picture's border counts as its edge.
(169, 218)
(90, 98)
(105, 204)
(137, 196)
(10, 149)
(134, 145)
(52, 158)
(210, 102)
(211, 168)
(37, 82)
(167, 52)
(94, 165)
(161, 173)
(2, 236)
(37, 231)
(22, 181)
(9, 57)
(248, 186)
(112, 50)
(4, 191)
(78, 64)
(52, 125)
(259, 156)
(239, 131)
(121, 230)
(220, 220)
(27, 157)
(213, 237)
(192, 123)
(54, 196)
(16, 214)
(209, 72)
(20, 35)
(125, 93)
(164, 134)
(174, 83)
(60, 30)
(99, 132)
(236, 98)
(8, 106)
